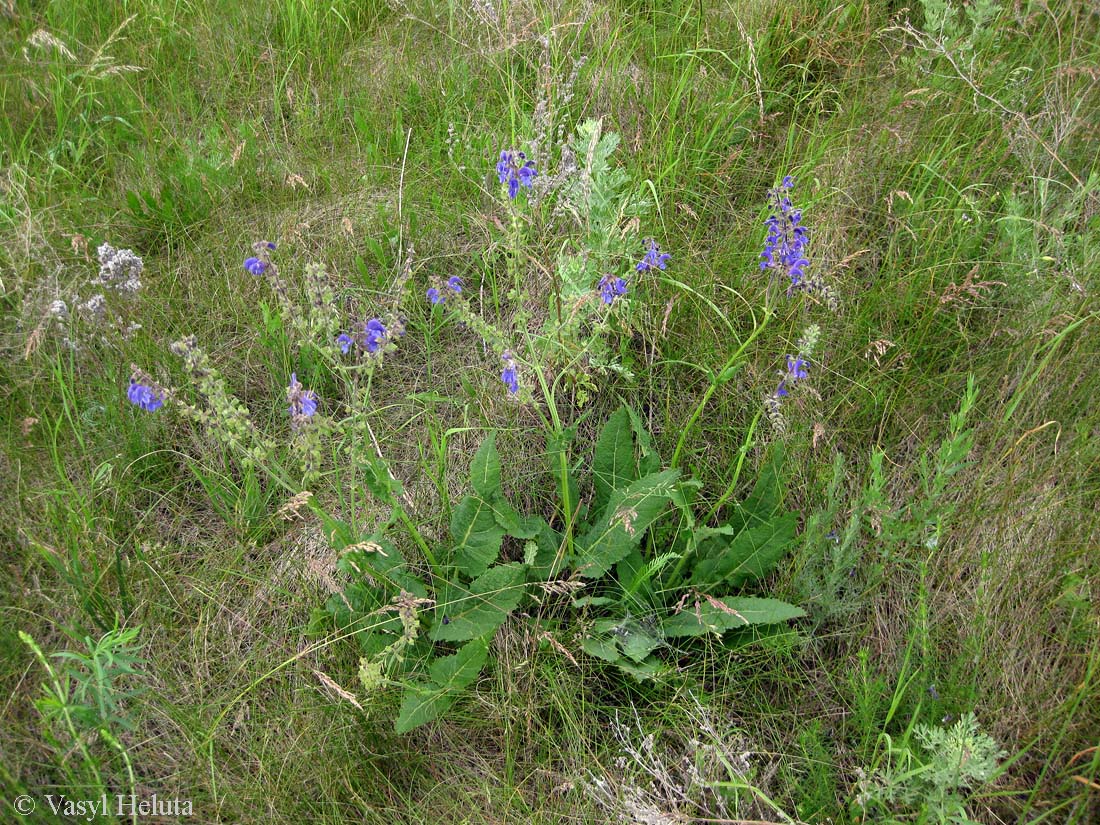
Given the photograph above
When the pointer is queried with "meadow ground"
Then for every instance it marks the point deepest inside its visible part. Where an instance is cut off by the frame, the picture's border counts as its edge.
(947, 552)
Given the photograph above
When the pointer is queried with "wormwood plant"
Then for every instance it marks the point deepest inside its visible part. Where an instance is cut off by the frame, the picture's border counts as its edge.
(929, 780)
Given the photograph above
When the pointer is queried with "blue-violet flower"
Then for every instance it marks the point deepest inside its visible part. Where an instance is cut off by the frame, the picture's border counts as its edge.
(255, 266)
(654, 257)
(303, 403)
(610, 287)
(509, 376)
(515, 170)
(374, 335)
(144, 396)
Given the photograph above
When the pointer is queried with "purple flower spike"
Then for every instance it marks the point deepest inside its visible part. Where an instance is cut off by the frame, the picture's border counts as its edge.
(454, 283)
(254, 266)
(611, 287)
(144, 396)
(785, 246)
(303, 402)
(344, 341)
(515, 170)
(654, 258)
(435, 297)
(509, 376)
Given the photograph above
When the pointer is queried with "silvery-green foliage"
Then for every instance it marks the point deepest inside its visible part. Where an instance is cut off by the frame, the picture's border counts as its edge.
(932, 781)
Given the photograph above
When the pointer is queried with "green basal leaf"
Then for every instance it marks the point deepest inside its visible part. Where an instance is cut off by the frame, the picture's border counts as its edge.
(425, 701)
(623, 523)
(651, 460)
(751, 554)
(477, 610)
(485, 469)
(651, 668)
(375, 555)
(728, 613)
(548, 559)
(613, 462)
(593, 601)
(477, 536)
(513, 524)
(636, 642)
(602, 647)
(766, 495)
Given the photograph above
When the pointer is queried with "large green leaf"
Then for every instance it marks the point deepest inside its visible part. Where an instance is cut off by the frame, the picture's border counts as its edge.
(546, 559)
(477, 536)
(477, 610)
(425, 701)
(624, 520)
(766, 495)
(650, 461)
(720, 615)
(485, 469)
(511, 522)
(751, 554)
(613, 462)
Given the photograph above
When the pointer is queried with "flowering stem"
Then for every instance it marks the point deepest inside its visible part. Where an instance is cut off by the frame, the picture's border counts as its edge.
(746, 445)
(423, 545)
(554, 424)
(673, 580)
(720, 378)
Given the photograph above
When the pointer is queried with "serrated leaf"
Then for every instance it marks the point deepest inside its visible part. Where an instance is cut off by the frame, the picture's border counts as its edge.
(476, 611)
(477, 536)
(425, 701)
(613, 461)
(623, 522)
(749, 555)
(734, 612)
(485, 469)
